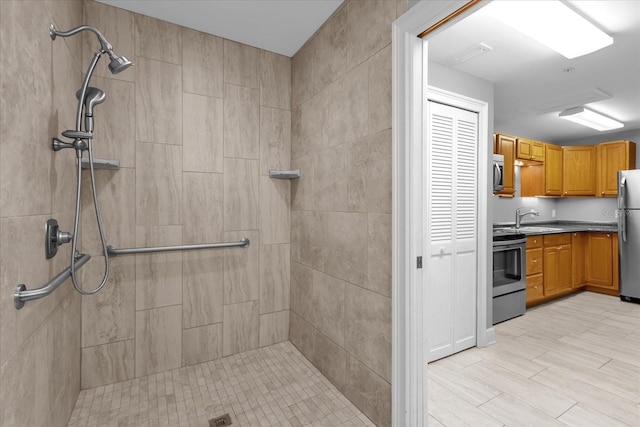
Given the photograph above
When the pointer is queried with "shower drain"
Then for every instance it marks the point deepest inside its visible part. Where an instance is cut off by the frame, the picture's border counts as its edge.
(223, 420)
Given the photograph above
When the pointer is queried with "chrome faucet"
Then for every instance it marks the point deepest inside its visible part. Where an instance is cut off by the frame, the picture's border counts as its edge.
(519, 216)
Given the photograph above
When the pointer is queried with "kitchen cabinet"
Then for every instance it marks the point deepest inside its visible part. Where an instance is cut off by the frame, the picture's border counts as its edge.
(601, 248)
(552, 170)
(529, 149)
(557, 264)
(578, 166)
(613, 157)
(578, 256)
(535, 285)
(506, 145)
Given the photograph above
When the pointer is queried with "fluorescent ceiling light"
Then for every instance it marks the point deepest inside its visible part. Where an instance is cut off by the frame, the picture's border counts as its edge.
(553, 24)
(470, 53)
(590, 118)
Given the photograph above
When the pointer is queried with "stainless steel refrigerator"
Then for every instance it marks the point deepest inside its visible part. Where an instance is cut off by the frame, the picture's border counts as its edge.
(629, 234)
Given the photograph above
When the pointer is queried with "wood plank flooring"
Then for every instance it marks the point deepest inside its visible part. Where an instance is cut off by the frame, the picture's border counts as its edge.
(570, 362)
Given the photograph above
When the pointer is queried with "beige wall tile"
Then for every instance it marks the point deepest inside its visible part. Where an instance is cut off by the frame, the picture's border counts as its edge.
(274, 210)
(241, 194)
(370, 393)
(302, 291)
(302, 81)
(275, 80)
(241, 122)
(158, 340)
(301, 335)
(313, 238)
(330, 54)
(331, 359)
(330, 168)
(380, 90)
(66, 79)
(329, 306)
(401, 7)
(158, 276)
(275, 269)
(68, 14)
(274, 328)
(275, 139)
(158, 102)
(202, 63)
(117, 202)
(302, 190)
(202, 208)
(295, 235)
(115, 122)
(379, 254)
(158, 184)
(242, 268)
(368, 28)
(159, 40)
(201, 344)
(348, 105)
(117, 25)
(241, 327)
(347, 246)
(108, 363)
(370, 174)
(202, 287)
(241, 64)
(203, 145)
(368, 329)
(108, 315)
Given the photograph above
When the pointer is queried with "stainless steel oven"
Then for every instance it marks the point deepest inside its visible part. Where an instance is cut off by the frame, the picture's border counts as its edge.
(509, 277)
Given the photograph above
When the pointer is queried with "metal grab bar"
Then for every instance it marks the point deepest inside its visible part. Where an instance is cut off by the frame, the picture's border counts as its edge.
(22, 295)
(113, 251)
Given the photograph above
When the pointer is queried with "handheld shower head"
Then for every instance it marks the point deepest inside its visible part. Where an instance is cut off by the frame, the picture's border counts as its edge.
(93, 97)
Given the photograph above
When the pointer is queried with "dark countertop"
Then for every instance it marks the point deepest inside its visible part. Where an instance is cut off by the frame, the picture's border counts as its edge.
(560, 226)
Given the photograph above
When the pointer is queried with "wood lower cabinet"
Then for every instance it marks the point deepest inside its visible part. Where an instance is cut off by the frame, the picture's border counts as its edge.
(552, 170)
(578, 170)
(557, 264)
(535, 284)
(578, 259)
(600, 261)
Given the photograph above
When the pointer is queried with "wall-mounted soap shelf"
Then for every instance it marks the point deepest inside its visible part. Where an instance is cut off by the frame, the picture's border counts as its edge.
(278, 174)
(101, 164)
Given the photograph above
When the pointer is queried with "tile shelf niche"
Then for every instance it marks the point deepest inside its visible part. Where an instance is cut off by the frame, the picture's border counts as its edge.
(280, 174)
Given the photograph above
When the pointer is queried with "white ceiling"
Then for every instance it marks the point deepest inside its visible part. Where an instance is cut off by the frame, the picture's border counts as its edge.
(280, 26)
(529, 77)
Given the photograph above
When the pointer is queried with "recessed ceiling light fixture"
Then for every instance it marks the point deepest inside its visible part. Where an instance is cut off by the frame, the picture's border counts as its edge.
(553, 24)
(590, 118)
(470, 53)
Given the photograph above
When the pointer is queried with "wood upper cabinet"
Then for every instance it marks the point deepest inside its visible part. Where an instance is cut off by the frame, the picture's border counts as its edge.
(600, 259)
(613, 157)
(557, 272)
(578, 255)
(552, 170)
(579, 170)
(529, 149)
(506, 145)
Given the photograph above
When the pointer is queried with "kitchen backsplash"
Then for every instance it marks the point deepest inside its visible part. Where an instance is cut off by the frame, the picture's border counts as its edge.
(588, 209)
(504, 209)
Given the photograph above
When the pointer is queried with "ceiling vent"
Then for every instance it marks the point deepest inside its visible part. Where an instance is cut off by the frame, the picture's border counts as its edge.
(470, 53)
(571, 100)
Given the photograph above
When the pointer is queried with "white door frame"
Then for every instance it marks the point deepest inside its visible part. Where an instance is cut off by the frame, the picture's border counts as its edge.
(409, 60)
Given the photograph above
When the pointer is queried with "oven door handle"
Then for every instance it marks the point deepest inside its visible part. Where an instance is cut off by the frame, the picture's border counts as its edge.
(503, 244)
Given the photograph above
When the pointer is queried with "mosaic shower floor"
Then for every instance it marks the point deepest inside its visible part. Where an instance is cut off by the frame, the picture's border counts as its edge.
(270, 386)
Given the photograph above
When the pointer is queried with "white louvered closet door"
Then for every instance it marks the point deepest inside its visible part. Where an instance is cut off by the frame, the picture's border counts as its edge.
(451, 229)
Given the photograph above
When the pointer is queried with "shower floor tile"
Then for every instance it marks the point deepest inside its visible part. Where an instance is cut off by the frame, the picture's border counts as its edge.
(270, 386)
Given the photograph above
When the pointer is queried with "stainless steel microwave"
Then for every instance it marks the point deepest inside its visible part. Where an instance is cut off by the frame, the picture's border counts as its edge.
(498, 172)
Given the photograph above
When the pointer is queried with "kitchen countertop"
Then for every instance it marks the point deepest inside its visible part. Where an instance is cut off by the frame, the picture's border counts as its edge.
(558, 226)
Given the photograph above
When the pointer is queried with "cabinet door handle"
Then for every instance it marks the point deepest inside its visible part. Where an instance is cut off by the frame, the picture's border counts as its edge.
(602, 193)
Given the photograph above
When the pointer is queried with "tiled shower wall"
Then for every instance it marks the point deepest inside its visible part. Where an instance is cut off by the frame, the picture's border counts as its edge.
(341, 206)
(196, 124)
(39, 344)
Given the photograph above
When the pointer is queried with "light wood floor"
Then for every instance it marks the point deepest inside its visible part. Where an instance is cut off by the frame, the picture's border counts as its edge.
(574, 361)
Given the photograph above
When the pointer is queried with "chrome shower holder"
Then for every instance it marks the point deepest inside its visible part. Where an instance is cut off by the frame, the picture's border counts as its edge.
(54, 238)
